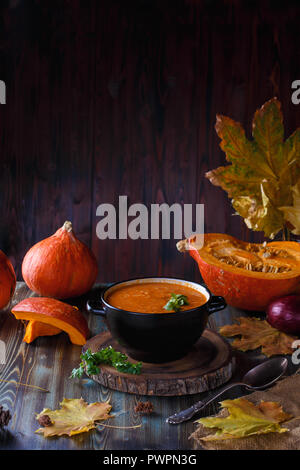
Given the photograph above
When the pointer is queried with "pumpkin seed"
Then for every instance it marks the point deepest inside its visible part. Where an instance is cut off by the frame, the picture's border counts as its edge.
(259, 266)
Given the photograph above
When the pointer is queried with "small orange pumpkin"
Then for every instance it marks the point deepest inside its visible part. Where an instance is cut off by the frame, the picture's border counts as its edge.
(7, 280)
(60, 266)
(248, 275)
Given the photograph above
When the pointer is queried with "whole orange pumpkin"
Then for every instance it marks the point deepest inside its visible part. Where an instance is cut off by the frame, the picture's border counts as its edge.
(7, 280)
(60, 266)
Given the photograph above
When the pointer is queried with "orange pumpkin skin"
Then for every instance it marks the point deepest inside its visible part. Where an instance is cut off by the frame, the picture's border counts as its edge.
(60, 266)
(7, 280)
(241, 288)
(55, 313)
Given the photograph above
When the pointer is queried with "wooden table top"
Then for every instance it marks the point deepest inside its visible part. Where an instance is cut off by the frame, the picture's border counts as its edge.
(48, 362)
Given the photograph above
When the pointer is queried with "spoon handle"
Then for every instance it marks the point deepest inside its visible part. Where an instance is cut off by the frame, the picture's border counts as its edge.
(188, 413)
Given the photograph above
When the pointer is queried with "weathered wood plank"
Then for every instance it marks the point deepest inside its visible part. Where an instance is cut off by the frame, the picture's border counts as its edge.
(105, 99)
(48, 362)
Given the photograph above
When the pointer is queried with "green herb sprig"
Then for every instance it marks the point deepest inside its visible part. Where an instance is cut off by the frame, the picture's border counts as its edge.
(90, 362)
(176, 301)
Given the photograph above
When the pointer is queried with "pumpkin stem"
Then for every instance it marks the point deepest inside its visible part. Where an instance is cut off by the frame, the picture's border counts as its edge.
(68, 226)
(286, 234)
(182, 245)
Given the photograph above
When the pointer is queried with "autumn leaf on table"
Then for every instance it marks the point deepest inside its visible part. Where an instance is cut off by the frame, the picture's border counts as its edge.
(257, 333)
(74, 416)
(245, 419)
(263, 171)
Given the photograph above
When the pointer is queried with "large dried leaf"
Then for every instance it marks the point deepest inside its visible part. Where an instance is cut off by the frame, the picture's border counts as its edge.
(74, 416)
(257, 333)
(263, 170)
(245, 419)
(292, 213)
(260, 216)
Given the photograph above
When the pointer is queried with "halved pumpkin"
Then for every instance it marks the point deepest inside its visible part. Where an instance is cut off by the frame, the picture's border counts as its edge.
(54, 313)
(248, 275)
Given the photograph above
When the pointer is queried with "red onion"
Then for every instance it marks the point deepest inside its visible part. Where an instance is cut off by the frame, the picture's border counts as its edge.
(284, 314)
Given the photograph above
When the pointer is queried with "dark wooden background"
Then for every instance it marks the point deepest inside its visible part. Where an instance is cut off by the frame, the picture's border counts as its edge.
(114, 97)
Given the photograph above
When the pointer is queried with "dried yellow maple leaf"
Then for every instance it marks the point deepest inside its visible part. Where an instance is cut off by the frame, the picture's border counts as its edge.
(74, 416)
(257, 333)
(263, 170)
(292, 213)
(246, 419)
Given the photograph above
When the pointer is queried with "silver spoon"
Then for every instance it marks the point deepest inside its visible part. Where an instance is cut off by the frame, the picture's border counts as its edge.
(262, 376)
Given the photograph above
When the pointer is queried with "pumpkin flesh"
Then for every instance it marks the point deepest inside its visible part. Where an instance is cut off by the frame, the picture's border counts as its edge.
(247, 275)
(56, 314)
(34, 329)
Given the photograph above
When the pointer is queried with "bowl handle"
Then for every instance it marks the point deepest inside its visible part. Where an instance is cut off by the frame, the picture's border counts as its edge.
(216, 303)
(95, 307)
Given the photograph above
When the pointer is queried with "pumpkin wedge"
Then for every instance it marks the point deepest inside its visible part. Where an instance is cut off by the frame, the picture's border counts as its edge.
(53, 313)
(34, 329)
(248, 275)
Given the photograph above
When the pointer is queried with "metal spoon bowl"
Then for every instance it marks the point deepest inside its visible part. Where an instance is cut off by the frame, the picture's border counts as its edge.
(259, 377)
(265, 374)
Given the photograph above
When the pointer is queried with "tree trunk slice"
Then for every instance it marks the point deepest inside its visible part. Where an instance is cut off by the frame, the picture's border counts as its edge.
(207, 366)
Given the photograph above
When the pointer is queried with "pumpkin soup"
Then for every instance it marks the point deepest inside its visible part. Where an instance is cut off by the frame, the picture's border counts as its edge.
(156, 297)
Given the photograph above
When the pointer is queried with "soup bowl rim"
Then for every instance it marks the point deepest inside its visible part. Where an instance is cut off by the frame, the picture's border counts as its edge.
(159, 314)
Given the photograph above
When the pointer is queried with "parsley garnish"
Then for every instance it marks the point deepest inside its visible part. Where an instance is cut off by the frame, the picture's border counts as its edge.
(91, 362)
(176, 301)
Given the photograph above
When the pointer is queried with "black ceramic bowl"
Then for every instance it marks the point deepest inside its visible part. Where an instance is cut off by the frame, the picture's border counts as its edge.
(157, 337)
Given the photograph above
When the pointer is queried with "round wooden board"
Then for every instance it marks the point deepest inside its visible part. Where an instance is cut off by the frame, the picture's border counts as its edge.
(207, 366)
